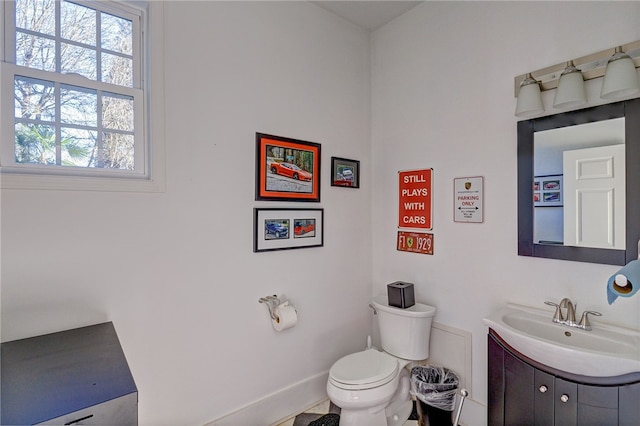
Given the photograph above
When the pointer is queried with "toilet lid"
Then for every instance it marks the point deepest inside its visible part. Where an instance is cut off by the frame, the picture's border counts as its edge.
(364, 370)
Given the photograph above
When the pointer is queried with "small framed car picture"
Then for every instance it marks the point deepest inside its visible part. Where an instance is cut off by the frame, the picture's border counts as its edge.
(287, 169)
(345, 172)
(547, 191)
(282, 228)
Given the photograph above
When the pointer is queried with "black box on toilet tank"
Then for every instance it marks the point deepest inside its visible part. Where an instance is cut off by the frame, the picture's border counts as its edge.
(401, 294)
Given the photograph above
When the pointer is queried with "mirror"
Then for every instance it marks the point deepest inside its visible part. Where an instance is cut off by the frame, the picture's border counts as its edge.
(596, 217)
(557, 217)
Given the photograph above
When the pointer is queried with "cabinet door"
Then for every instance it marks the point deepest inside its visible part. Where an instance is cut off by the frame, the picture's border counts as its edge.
(544, 398)
(597, 405)
(518, 392)
(495, 410)
(629, 405)
(566, 403)
(121, 411)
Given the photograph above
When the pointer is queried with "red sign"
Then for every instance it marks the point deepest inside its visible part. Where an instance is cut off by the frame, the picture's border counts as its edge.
(415, 242)
(414, 210)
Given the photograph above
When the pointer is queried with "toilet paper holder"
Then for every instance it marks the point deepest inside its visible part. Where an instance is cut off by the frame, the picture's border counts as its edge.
(272, 303)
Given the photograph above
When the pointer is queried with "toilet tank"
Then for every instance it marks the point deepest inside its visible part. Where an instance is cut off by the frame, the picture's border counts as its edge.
(404, 333)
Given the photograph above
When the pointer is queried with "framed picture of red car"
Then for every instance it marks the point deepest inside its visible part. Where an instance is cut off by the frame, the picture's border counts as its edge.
(287, 169)
(345, 172)
(283, 228)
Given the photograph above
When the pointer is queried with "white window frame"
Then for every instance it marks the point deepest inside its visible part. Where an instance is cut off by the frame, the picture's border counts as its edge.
(149, 132)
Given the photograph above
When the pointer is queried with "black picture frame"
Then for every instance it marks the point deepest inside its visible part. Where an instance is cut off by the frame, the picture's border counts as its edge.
(345, 172)
(547, 191)
(287, 169)
(287, 228)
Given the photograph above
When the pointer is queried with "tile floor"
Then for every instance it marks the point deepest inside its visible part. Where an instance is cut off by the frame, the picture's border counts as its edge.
(324, 408)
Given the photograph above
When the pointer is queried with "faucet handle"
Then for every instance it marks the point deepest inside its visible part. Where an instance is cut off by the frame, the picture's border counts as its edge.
(584, 321)
(557, 317)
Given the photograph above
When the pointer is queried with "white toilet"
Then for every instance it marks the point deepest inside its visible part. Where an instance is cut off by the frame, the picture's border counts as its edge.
(372, 387)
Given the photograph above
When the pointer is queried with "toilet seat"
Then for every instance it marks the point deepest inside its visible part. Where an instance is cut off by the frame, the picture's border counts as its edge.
(364, 370)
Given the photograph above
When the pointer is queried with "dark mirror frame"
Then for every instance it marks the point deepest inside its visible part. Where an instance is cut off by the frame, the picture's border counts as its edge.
(526, 247)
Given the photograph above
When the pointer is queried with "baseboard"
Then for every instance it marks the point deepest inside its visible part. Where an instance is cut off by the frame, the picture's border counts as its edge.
(280, 404)
(473, 413)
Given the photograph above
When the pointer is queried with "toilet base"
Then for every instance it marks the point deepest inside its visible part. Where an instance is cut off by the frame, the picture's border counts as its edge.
(362, 417)
(394, 410)
(358, 417)
(401, 414)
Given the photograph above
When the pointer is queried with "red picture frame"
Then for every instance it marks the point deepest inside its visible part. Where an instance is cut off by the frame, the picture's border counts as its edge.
(287, 169)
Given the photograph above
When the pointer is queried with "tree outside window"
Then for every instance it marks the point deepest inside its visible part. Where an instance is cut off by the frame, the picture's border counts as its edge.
(74, 86)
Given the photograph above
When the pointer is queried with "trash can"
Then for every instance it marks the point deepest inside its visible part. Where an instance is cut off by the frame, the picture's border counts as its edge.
(435, 391)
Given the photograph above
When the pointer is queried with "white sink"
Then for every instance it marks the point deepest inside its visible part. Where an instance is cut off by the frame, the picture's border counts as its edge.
(605, 351)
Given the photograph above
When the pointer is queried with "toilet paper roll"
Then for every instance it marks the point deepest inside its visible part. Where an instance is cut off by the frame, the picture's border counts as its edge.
(286, 317)
(615, 287)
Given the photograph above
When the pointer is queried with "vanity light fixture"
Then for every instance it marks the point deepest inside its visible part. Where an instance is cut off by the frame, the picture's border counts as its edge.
(617, 67)
(620, 78)
(570, 92)
(529, 99)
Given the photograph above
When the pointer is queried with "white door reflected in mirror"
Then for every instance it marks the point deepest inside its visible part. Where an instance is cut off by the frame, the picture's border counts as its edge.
(594, 187)
(592, 208)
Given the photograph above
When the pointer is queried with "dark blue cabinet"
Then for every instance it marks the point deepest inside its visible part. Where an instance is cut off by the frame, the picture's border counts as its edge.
(73, 377)
(523, 392)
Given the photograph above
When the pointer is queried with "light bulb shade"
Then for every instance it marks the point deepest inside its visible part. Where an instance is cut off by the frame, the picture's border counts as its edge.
(529, 99)
(570, 92)
(620, 78)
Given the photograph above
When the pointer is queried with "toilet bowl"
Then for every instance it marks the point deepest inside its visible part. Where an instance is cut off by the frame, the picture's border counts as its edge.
(366, 384)
(372, 387)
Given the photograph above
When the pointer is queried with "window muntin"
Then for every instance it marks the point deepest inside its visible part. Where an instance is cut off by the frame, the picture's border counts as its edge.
(78, 104)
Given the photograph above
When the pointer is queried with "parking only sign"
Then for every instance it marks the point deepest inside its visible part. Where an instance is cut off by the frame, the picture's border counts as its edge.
(468, 199)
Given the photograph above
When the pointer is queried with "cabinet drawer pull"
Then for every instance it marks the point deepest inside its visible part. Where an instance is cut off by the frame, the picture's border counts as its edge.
(564, 397)
(76, 421)
(543, 389)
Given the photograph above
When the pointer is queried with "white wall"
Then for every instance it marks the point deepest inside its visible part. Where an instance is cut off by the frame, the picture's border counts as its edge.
(175, 271)
(443, 98)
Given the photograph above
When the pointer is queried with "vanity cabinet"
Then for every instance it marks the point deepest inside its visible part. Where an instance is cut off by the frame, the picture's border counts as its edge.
(524, 392)
(73, 377)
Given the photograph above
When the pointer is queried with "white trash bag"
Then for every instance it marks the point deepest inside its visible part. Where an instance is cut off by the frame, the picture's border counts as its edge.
(435, 386)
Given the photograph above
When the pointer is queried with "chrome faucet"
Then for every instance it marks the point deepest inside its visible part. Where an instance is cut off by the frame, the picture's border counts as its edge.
(570, 318)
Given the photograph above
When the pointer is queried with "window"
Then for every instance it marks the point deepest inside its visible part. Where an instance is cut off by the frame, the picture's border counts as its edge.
(76, 72)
